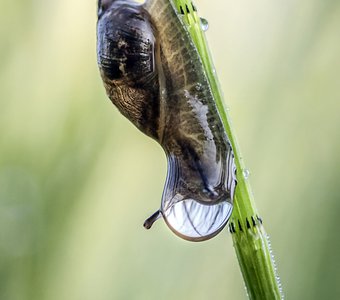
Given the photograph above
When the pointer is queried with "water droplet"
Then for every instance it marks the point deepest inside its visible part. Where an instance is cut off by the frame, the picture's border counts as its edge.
(246, 173)
(204, 24)
(198, 86)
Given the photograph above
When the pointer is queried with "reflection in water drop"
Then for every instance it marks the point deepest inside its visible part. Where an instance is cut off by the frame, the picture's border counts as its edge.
(246, 173)
(204, 24)
(195, 221)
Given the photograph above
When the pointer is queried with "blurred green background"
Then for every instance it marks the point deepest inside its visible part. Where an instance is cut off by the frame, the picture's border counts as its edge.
(77, 180)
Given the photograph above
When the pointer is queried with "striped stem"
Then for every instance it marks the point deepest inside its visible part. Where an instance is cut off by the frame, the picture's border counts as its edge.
(250, 240)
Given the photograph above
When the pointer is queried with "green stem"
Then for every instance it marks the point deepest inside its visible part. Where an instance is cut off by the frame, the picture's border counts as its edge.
(249, 237)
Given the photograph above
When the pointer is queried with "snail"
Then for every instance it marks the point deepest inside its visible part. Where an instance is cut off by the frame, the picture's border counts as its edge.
(153, 74)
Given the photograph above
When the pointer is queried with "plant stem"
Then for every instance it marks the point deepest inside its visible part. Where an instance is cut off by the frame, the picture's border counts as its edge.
(250, 240)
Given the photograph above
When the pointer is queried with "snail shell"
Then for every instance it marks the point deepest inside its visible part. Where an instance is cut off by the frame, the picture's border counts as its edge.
(153, 73)
(126, 57)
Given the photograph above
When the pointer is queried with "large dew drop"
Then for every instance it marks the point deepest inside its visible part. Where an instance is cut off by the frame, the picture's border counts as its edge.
(195, 221)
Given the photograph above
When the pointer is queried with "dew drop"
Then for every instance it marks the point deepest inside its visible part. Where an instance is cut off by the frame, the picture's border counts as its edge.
(246, 173)
(198, 87)
(204, 24)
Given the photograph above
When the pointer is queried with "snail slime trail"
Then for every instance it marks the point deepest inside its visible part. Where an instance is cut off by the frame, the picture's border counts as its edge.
(153, 74)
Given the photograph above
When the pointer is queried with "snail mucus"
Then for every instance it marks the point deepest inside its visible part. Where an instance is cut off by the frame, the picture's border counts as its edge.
(153, 74)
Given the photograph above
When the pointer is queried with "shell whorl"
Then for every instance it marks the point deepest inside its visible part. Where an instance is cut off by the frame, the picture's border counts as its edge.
(126, 47)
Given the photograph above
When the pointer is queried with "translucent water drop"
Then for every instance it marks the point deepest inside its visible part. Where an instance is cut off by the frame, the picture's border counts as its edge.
(246, 173)
(198, 87)
(204, 24)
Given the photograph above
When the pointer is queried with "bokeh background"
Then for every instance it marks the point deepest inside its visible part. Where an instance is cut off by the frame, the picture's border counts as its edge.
(77, 180)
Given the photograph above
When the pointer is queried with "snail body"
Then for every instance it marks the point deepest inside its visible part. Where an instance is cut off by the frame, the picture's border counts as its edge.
(153, 74)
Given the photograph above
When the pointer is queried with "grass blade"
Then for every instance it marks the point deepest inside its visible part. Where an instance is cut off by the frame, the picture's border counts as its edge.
(250, 240)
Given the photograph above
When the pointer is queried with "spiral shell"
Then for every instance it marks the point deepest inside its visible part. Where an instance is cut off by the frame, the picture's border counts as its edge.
(153, 74)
